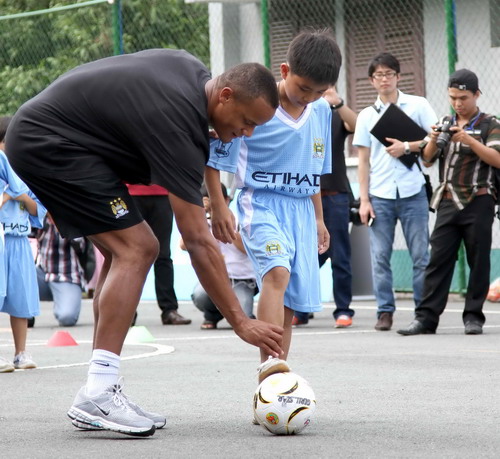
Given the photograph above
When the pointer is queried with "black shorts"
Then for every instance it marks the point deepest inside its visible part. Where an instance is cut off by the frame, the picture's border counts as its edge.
(85, 206)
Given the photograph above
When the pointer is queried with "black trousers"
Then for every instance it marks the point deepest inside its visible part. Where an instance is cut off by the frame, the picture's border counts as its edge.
(157, 212)
(473, 226)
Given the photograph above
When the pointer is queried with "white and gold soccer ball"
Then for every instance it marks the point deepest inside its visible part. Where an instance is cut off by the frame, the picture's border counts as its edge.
(284, 403)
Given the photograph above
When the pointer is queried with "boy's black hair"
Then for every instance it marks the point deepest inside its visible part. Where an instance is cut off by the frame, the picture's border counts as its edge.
(4, 124)
(250, 81)
(386, 60)
(204, 191)
(314, 54)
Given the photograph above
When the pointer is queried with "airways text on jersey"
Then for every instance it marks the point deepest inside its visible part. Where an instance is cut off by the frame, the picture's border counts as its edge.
(288, 182)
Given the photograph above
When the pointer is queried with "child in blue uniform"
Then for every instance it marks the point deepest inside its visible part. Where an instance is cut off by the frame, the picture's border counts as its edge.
(278, 170)
(19, 210)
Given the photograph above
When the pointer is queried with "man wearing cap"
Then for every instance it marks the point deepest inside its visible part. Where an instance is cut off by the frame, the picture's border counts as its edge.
(465, 204)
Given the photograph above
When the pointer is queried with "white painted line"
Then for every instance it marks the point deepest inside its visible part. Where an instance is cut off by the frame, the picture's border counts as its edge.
(160, 349)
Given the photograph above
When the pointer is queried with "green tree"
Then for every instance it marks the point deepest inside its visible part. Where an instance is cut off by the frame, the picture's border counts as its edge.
(37, 49)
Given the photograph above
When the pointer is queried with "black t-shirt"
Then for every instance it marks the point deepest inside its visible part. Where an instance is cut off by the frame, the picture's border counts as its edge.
(142, 116)
(337, 180)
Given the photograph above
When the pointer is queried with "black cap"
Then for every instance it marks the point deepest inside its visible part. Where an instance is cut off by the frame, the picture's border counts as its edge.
(465, 80)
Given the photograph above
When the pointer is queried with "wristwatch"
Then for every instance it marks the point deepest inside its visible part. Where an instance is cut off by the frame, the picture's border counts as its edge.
(339, 105)
(407, 148)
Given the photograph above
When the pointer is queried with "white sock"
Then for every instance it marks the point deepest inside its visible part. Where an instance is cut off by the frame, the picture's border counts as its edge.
(104, 367)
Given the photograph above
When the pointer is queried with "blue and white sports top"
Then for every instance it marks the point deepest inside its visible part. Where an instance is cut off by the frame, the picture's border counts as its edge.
(284, 155)
(14, 218)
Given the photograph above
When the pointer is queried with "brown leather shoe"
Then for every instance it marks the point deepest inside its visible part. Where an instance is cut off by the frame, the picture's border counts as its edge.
(384, 322)
(174, 318)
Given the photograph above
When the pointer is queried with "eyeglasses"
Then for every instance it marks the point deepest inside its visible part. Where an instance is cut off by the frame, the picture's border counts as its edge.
(388, 75)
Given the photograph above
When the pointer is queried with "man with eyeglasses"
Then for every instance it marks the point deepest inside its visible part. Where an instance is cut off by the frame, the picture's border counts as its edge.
(389, 190)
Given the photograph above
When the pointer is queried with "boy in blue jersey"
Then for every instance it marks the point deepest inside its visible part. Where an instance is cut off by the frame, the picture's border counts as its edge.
(278, 170)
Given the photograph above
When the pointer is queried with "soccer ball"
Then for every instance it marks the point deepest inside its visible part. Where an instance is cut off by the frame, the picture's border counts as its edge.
(284, 403)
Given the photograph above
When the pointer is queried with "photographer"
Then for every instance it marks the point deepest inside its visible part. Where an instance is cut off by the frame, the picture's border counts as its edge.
(465, 204)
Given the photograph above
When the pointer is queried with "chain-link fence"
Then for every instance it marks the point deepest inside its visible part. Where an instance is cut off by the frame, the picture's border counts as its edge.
(431, 38)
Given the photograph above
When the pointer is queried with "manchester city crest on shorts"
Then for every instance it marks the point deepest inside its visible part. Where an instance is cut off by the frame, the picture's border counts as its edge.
(118, 207)
(222, 149)
(273, 248)
(318, 148)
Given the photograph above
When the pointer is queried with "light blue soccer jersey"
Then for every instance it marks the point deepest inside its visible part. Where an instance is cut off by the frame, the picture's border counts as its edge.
(284, 155)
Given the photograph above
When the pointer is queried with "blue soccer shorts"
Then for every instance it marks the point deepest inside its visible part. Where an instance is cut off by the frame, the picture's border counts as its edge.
(278, 230)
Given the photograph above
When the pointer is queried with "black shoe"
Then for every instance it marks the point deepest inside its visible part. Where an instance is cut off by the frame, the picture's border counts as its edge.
(31, 322)
(416, 328)
(384, 322)
(473, 328)
(174, 318)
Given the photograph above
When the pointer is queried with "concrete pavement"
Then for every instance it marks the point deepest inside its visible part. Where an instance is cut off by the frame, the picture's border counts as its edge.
(379, 394)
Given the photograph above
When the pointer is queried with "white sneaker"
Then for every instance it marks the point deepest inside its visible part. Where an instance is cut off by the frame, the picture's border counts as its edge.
(270, 366)
(158, 420)
(109, 410)
(23, 361)
(6, 366)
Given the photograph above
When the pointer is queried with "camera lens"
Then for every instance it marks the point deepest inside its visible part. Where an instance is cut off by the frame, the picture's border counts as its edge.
(443, 139)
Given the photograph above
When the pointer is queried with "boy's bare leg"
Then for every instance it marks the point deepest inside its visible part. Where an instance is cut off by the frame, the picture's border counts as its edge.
(271, 305)
(19, 332)
(129, 255)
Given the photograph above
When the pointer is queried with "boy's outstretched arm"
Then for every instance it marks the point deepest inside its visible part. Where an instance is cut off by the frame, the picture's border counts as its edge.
(323, 235)
(210, 268)
(223, 222)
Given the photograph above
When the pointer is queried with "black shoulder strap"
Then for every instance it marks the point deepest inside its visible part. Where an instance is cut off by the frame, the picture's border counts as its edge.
(484, 126)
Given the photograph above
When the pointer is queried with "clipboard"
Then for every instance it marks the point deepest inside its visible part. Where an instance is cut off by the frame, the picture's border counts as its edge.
(395, 123)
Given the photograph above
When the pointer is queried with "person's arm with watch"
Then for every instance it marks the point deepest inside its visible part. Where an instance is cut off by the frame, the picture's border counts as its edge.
(399, 148)
(336, 102)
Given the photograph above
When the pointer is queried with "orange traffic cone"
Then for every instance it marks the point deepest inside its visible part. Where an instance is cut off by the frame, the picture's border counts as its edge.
(61, 338)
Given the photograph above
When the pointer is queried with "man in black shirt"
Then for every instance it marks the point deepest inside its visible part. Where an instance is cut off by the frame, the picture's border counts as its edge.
(335, 197)
(137, 118)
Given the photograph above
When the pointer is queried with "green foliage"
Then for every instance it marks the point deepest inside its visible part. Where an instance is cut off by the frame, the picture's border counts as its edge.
(35, 50)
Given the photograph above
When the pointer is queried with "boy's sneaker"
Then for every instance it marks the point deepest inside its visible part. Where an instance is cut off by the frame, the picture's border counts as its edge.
(110, 411)
(6, 366)
(23, 361)
(343, 321)
(270, 366)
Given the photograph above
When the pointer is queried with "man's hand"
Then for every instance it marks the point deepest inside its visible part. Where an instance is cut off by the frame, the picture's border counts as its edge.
(433, 135)
(323, 237)
(396, 149)
(332, 96)
(268, 337)
(461, 136)
(365, 212)
(223, 224)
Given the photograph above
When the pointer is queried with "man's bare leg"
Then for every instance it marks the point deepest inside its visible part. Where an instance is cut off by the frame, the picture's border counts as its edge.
(129, 255)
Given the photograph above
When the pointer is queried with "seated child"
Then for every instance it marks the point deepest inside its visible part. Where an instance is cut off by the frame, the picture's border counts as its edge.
(240, 271)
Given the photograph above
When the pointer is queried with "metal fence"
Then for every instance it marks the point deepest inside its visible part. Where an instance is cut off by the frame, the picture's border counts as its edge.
(43, 38)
